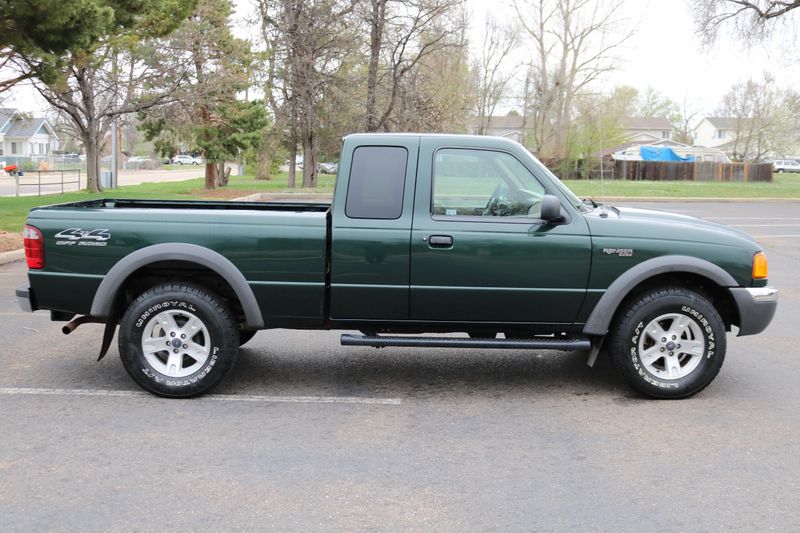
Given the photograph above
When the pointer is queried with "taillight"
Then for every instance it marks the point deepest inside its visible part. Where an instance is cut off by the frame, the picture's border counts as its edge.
(34, 247)
(760, 267)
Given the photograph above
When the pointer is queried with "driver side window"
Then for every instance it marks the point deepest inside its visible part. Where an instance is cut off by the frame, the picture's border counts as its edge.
(471, 182)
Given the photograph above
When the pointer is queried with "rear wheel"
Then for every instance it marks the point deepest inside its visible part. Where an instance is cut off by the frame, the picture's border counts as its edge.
(178, 340)
(668, 343)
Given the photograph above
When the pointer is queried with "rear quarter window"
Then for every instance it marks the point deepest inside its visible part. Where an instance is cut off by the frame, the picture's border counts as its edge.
(377, 182)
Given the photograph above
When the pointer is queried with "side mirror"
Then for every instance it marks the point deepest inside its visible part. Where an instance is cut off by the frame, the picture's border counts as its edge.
(551, 208)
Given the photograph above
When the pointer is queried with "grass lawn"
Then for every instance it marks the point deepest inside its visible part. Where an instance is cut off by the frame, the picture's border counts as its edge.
(14, 210)
(783, 186)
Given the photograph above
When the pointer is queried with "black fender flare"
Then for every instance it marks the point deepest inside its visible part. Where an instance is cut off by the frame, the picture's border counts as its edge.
(600, 318)
(103, 302)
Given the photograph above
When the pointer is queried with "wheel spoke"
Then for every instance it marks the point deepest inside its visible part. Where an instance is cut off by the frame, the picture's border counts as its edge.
(154, 344)
(655, 330)
(192, 326)
(679, 325)
(167, 322)
(196, 351)
(174, 363)
(651, 355)
(693, 347)
(673, 366)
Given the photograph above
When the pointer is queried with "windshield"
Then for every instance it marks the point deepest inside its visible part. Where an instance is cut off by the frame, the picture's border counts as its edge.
(574, 200)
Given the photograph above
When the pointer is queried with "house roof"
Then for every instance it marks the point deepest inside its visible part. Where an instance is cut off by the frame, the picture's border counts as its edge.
(723, 123)
(504, 122)
(646, 123)
(26, 127)
(5, 115)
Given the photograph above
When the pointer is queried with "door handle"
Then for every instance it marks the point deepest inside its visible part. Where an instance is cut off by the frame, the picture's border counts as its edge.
(440, 241)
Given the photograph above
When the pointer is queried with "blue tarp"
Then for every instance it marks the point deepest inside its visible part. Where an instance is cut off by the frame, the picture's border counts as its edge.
(662, 153)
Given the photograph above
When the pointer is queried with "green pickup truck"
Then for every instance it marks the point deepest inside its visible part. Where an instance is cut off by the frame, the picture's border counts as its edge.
(427, 234)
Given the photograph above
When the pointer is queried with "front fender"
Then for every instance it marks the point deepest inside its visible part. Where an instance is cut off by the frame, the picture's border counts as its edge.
(600, 318)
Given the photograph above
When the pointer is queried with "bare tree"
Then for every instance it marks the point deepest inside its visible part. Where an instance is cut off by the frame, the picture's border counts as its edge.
(684, 131)
(749, 19)
(764, 118)
(402, 33)
(98, 90)
(574, 43)
(492, 72)
(308, 40)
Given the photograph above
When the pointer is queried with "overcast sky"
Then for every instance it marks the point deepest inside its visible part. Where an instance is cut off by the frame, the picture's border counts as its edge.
(664, 53)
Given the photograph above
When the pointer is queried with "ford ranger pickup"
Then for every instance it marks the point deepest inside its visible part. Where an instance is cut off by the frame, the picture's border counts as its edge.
(427, 235)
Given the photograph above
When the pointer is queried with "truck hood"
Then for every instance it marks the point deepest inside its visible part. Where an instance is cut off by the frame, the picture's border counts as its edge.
(635, 222)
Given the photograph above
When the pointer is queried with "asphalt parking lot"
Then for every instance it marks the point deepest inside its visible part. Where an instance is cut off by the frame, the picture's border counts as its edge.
(309, 435)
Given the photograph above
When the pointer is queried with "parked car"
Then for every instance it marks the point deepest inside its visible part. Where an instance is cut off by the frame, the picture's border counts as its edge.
(184, 159)
(327, 168)
(786, 165)
(426, 234)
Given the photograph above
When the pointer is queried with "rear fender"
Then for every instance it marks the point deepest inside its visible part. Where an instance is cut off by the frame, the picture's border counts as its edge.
(103, 303)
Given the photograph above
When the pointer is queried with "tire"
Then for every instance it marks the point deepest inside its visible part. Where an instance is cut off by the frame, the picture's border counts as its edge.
(245, 335)
(779, 171)
(642, 341)
(182, 369)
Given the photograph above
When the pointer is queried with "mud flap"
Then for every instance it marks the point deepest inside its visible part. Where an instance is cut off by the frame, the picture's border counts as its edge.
(597, 343)
(108, 336)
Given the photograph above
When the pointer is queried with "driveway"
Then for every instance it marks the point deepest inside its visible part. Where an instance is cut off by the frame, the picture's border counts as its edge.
(308, 435)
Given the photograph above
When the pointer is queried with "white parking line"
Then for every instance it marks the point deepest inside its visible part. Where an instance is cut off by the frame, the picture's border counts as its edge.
(10, 391)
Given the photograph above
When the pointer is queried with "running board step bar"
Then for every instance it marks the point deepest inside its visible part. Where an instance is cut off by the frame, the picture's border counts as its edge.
(541, 343)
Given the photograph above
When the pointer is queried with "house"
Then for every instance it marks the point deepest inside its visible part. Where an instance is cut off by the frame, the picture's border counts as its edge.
(646, 130)
(510, 126)
(716, 131)
(25, 137)
(631, 151)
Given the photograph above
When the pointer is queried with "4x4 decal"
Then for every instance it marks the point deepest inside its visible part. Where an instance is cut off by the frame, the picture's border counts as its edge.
(82, 237)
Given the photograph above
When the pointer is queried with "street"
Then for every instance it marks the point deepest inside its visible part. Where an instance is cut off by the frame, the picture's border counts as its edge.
(306, 434)
(51, 182)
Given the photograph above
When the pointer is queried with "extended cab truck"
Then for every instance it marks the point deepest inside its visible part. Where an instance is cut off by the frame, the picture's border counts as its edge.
(426, 234)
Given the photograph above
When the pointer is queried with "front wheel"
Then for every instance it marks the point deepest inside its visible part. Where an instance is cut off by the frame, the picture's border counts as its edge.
(178, 340)
(669, 342)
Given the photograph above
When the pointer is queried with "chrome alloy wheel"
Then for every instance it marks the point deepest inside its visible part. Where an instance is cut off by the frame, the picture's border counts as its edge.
(671, 346)
(176, 343)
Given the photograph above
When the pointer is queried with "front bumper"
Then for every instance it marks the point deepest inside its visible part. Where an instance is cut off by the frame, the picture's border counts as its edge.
(756, 308)
(26, 299)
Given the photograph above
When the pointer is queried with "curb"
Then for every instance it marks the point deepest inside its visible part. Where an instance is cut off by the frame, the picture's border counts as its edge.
(13, 255)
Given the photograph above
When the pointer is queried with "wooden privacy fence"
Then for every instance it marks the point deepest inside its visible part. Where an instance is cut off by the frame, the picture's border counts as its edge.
(706, 171)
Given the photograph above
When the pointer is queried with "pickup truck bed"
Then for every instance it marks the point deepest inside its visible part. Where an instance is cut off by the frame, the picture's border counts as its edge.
(279, 248)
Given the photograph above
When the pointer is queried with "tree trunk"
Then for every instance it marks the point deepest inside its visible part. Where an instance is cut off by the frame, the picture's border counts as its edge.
(293, 163)
(211, 176)
(223, 175)
(377, 19)
(264, 162)
(92, 163)
(309, 159)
